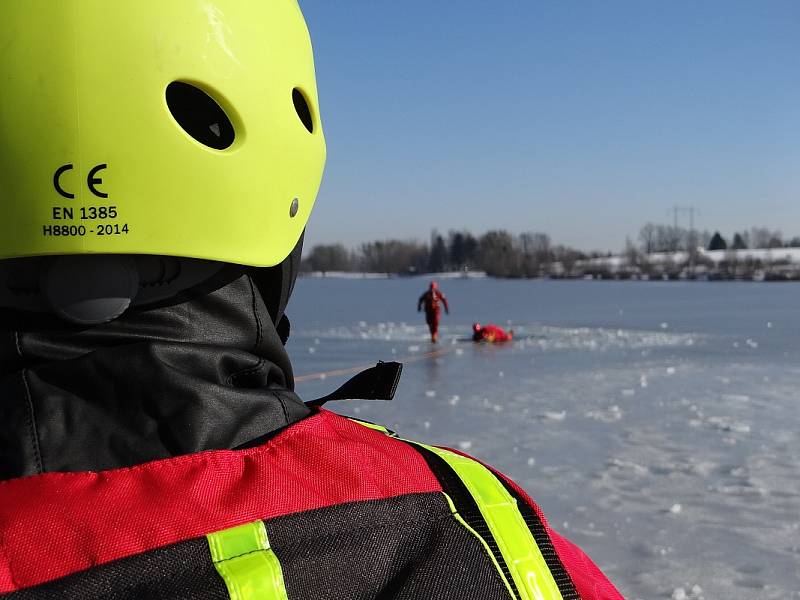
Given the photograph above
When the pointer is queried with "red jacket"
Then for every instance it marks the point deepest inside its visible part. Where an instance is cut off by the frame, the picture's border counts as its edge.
(431, 299)
(326, 509)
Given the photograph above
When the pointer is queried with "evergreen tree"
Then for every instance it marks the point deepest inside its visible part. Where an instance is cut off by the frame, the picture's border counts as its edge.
(462, 249)
(458, 250)
(718, 242)
(470, 249)
(438, 258)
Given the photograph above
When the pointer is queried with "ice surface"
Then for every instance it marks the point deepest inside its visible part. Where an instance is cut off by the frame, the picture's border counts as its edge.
(670, 453)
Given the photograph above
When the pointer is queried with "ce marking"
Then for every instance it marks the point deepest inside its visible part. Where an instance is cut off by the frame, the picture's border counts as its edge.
(92, 181)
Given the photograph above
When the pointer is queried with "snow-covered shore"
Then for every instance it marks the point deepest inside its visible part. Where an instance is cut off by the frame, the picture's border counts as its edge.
(364, 275)
(755, 265)
(773, 264)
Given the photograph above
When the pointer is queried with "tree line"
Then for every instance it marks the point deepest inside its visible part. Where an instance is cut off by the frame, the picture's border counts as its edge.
(497, 252)
(500, 253)
(669, 252)
(655, 237)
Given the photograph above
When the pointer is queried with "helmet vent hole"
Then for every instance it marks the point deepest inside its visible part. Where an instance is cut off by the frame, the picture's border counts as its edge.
(303, 110)
(199, 115)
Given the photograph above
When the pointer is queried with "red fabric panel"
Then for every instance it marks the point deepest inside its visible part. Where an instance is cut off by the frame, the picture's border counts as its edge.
(589, 580)
(55, 524)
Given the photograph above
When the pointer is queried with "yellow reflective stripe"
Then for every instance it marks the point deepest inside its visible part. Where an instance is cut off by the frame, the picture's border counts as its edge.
(247, 564)
(528, 568)
(488, 550)
(369, 425)
(520, 552)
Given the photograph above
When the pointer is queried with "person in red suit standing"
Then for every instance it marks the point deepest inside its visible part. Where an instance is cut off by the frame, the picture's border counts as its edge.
(432, 301)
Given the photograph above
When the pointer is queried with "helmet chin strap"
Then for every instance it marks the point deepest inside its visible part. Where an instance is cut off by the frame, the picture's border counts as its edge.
(95, 289)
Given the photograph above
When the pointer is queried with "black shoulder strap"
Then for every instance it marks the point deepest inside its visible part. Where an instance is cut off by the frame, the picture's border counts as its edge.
(378, 383)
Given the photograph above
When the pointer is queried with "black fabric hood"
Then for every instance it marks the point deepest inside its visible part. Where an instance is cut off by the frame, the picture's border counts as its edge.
(208, 371)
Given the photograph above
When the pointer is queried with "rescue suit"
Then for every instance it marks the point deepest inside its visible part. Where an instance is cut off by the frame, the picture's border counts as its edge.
(432, 302)
(491, 334)
(165, 455)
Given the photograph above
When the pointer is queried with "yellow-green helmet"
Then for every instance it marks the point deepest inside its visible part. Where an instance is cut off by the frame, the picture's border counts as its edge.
(185, 128)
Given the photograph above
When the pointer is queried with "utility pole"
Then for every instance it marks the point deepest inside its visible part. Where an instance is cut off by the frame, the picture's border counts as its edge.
(691, 243)
(677, 210)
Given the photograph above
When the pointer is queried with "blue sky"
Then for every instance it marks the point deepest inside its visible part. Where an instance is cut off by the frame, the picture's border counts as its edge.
(582, 119)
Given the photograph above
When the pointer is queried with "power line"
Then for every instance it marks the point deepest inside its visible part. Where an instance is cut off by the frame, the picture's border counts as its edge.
(678, 210)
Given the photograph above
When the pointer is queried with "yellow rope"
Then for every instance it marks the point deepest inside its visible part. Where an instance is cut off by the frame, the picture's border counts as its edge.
(353, 370)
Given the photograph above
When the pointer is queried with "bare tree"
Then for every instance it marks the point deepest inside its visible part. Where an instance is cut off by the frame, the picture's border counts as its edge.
(499, 255)
(761, 237)
(394, 256)
(647, 238)
(334, 257)
(776, 241)
(740, 241)
(537, 253)
(635, 258)
(568, 258)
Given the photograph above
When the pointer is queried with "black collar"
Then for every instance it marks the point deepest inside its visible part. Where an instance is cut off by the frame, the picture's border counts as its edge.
(202, 373)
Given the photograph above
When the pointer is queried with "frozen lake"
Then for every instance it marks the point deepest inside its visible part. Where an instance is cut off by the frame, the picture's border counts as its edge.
(656, 423)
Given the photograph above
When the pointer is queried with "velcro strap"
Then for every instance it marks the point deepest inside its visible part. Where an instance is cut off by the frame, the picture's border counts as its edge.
(377, 383)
